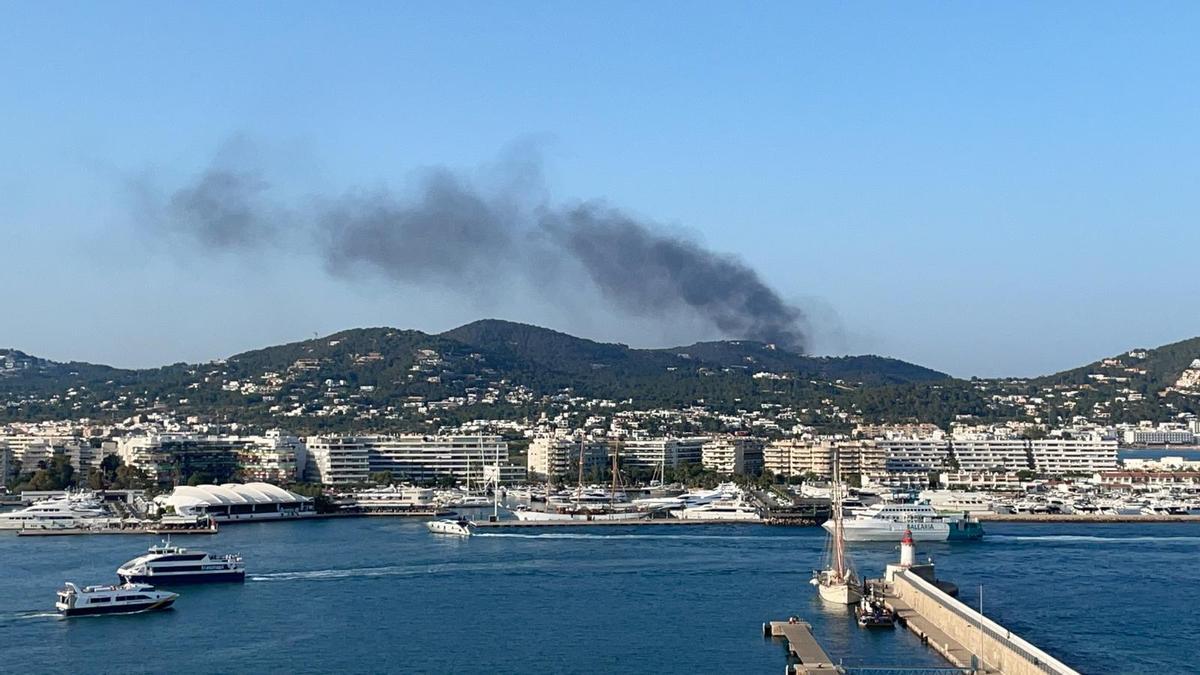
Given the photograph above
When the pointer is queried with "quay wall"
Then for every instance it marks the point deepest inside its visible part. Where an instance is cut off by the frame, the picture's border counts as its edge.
(998, 647)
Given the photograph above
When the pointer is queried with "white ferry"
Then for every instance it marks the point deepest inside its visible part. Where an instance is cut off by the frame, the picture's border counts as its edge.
(166, 564)
(887, 522)
(124, 599)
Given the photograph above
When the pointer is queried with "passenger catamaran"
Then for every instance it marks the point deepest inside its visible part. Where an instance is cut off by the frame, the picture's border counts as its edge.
(837, 583)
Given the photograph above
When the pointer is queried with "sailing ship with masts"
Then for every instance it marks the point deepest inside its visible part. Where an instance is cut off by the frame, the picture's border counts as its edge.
(585, 505)
(837, 583)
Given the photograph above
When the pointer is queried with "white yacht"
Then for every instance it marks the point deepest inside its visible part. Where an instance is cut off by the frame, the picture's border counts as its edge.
(887, 522)
(953, 501)
(123, 599)
(61, 512)
(460, 527)
(166, 564)
(722, 510)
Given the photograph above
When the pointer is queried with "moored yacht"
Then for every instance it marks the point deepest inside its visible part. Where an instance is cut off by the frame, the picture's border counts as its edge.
(166, 564)
(61, 512)
(887, 522)
(123, 599)
(722, 510)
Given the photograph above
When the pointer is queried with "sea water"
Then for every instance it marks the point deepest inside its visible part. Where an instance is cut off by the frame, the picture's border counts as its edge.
(383, 595)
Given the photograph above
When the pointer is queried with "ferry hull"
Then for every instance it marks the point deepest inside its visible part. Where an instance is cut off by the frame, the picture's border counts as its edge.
(184, 578)
(121, 609)
(892, 531)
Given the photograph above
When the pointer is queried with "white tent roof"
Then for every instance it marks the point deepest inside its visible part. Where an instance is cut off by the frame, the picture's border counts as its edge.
(229, 494)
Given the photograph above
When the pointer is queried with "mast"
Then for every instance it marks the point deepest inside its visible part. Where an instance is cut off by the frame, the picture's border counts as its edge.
(612, 497)
(496, 487)
(579, 487)
(839, 554)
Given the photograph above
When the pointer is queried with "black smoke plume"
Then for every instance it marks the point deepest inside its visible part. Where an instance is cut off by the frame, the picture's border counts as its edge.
(454, 234)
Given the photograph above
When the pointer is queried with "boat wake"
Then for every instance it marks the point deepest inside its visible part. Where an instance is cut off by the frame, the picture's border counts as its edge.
(1091, 539)
(9, 619)
(387, 571)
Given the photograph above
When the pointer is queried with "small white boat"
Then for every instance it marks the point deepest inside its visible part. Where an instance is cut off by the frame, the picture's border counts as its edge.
(460, 527)
(123, 599)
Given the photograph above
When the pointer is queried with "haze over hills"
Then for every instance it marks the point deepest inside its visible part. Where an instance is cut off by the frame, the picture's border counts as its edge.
(393, 378)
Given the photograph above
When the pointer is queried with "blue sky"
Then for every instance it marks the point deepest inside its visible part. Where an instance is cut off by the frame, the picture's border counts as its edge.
(987, 189)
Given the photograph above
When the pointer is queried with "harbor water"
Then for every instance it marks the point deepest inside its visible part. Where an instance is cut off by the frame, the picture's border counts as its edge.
(378, 594)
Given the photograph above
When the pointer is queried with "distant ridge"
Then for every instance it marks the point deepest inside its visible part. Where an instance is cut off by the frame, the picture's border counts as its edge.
(391, 378)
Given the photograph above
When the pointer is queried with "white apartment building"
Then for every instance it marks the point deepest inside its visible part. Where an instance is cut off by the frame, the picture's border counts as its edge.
(980, 454)
(337, 459)
(273, 458)
(1159, 436)
(559, 455)
(341, 459)
(914, 454)
(653, 453)
(732, 455)
(1059, 456)
(27, 450)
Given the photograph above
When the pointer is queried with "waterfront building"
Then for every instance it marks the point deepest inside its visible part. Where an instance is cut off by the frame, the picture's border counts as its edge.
(983, 480)
(1073, 456)
(1159, 436)
(979, 454)
(27, 451)
(350, 459)
(559, 455)
(733, 455)
(334, 460)
(235, 501)
(5, 462)
(1142, 480)
(171, 458)
(273, 458)
(652, 453)
(798, 456)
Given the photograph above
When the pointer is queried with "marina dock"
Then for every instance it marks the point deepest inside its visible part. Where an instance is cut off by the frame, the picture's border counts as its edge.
(805, 654)
(1084, 518)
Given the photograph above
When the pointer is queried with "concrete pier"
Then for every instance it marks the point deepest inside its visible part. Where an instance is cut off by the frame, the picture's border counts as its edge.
(805, 654)
(964, 636)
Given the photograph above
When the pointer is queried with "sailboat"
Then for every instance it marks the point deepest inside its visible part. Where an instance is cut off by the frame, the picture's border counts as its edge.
(837, 583)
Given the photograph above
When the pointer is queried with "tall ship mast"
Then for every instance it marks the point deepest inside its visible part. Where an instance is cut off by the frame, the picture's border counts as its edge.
(837, 583)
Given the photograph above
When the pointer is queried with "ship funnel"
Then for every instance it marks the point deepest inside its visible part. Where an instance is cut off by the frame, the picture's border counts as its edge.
(907, 551)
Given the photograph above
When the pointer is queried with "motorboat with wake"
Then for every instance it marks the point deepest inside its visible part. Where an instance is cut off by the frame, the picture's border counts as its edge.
(459, 527)
(122, 599)
(167, 564)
